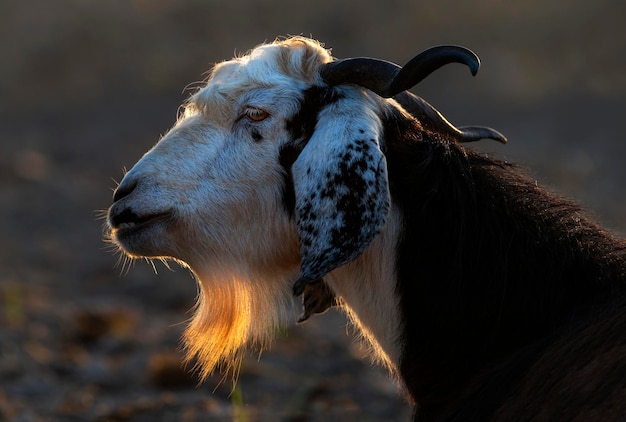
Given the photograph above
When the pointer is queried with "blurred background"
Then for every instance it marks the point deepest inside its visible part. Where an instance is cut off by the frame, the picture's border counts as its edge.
(86, 87)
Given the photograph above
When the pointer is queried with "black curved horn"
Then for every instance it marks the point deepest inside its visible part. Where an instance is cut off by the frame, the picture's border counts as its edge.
(422, 65)
(388, 79)
(476, 133)
(433, 120)
(373, 74)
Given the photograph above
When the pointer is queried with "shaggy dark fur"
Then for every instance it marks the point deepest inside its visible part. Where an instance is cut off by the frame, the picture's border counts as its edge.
(506, 290)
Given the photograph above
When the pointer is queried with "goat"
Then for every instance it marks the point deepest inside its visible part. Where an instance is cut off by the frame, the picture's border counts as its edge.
(486, 296)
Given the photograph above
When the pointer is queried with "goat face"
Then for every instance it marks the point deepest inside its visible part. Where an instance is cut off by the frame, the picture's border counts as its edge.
(208, 192)
(267, 176)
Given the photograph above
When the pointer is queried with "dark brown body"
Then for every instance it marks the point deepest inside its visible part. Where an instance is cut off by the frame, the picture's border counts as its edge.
(512, 299)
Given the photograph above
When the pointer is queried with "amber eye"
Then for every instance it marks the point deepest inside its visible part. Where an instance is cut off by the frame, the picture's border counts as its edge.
(256, 114)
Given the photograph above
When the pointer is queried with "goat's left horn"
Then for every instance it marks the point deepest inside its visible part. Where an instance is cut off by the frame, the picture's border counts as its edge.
(430, 118)
(388, 79)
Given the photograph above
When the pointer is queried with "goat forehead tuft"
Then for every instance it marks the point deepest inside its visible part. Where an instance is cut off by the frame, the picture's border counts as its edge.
(294, 61)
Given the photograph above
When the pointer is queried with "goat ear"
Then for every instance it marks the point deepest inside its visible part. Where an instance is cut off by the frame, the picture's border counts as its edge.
(342, 193)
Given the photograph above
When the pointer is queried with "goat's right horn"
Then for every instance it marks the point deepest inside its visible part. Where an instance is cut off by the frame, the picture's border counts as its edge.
(388, 79)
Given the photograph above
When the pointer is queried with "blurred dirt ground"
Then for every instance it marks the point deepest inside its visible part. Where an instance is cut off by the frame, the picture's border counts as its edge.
(86, 87)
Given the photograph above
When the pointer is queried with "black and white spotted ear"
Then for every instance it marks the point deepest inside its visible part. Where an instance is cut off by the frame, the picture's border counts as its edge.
(342, 192)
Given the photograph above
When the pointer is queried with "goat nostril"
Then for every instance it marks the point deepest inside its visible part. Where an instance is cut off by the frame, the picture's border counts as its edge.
(123, 190)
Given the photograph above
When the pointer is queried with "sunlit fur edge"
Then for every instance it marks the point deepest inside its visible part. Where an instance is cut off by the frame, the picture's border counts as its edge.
(233, 314)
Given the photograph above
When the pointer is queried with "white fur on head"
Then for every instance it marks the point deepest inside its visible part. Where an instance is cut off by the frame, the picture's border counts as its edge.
(211, 194)
(216, 181)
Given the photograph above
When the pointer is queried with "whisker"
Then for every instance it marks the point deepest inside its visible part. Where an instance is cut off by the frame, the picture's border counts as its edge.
(126, 263)
(166, 263)
(101, 214)
(151, 262)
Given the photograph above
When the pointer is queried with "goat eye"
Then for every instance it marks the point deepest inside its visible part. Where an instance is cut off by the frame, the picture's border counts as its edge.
(256, 114)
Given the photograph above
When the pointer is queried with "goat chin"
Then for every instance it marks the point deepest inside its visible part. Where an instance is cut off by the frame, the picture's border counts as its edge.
(234, 312)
